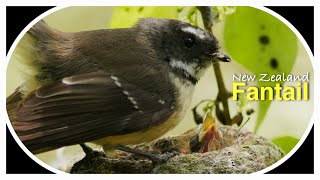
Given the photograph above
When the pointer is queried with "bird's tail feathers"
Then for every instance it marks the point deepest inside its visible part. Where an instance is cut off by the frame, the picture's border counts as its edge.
(30, 55)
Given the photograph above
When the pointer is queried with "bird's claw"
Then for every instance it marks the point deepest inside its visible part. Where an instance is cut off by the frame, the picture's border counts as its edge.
(90, 153)
(158, 159)
(162, 158)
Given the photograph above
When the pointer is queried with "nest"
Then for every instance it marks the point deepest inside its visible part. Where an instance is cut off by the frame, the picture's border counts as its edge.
(239, 152)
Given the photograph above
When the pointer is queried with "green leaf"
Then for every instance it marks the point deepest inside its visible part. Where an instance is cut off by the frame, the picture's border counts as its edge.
(223, 11)
(286, 143)
(261, 43)
(123, 17)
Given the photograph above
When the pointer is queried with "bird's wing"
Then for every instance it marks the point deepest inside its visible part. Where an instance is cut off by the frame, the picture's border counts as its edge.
(84, 108)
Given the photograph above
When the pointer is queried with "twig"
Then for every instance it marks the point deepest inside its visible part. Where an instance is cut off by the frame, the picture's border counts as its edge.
(223, 95)
(242, 126)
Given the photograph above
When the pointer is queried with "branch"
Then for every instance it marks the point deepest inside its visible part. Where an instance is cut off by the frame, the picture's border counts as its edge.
(223, 95)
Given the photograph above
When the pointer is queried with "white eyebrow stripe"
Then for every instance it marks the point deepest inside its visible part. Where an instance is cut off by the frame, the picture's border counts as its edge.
(196, 31)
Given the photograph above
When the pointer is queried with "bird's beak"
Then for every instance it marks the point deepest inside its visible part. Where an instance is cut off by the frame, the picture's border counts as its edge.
(220, 57)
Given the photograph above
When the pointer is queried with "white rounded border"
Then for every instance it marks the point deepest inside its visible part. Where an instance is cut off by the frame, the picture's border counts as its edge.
(311, 57)
(54, 170)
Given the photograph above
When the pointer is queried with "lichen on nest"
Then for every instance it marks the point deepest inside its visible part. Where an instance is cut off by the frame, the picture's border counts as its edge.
(241, 152)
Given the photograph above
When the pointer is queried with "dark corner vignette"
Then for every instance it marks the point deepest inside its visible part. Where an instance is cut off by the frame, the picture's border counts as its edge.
(305, 153)
(17, 18)
(15, 23)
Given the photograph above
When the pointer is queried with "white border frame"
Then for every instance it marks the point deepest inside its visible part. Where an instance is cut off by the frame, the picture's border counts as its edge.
(316, 67)
(161, 3)
(153, 3)
(2, 86)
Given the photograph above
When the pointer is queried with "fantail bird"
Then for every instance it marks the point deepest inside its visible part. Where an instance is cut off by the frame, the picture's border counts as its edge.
(112, 87)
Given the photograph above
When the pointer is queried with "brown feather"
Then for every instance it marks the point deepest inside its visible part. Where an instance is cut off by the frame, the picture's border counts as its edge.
(88, 107)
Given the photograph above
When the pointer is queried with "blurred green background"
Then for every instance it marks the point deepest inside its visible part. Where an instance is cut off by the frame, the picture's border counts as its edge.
(282, 119)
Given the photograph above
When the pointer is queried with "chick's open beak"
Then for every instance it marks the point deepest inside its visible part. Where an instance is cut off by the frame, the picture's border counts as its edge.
(207, 126)
(209, 137)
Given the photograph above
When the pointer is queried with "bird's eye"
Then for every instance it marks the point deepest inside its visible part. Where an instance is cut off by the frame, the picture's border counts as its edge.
(189, 42)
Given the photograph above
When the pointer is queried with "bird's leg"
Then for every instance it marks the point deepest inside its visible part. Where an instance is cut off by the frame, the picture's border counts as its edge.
(89, 158)
(155, 158)
(90, 153)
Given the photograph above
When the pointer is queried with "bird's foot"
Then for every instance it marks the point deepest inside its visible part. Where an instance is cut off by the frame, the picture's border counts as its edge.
(162, 158)
(91, 156)
(90, 153)
(156, 159)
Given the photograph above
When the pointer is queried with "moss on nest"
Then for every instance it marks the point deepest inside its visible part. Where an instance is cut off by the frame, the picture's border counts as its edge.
(242, 152)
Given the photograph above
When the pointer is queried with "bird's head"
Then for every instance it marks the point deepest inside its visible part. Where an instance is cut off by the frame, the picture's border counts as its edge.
(187, 49)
